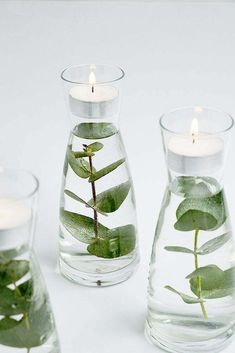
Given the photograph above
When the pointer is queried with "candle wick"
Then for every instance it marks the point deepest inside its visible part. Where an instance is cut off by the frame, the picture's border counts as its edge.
(92, 89)
(193, 136)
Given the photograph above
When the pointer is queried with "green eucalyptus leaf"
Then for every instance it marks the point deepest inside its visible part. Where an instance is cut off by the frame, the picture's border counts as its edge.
(194, 219)
(81, 227)
(7, 324)
(26, 289)
(30, 331)
(95, 147)
(123, 238)
(199, 187)
(79, 165)
(7, 255)
(213, 205)
(214, 244)
(79, 199)
(119, 241)
(111, 199)
(80, 154)
(11, 303)
(186, 298)
(75, 197)
(215, 283)
(12, 271)
(100, 248)
(95, 131)
(179, 249)
(201, 213)
(104, 171)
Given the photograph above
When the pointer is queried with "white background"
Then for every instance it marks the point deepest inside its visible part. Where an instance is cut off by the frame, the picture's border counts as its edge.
(175, 54)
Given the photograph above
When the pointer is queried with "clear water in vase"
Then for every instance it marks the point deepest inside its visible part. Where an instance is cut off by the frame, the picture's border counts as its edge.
(191, 302)
(98, 221)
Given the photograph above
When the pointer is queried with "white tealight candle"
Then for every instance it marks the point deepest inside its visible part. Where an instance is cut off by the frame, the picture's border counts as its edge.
(93, 100)
(13, 214)
(195, 153)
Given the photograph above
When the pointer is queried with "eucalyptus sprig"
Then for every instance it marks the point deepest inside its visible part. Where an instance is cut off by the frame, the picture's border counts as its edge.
(25, 323)
(196, 213)
(102, 241)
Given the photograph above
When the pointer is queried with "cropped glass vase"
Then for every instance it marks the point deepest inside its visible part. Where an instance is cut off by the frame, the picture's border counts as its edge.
(26, 320)
(98, 244)
(191, 302)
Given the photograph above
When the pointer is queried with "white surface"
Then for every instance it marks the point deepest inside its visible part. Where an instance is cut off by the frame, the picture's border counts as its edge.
(175, 54)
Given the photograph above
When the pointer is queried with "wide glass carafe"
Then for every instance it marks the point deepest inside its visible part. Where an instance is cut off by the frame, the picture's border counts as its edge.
(191, 301)
(98, 233)
(26, 320)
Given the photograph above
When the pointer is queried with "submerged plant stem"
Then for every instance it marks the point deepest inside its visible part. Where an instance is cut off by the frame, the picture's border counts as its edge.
(27, 325)
(27, 321)
(94, 201)
(199, 280)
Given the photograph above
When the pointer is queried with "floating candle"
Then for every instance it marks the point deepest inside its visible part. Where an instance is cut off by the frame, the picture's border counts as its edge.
(93, 100)
(13, 214)
(195, 153)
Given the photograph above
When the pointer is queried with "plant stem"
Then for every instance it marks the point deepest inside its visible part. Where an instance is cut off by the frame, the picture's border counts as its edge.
(96, 224)
(25, 314)
(199, 280)
(28, 350)
(17, 290)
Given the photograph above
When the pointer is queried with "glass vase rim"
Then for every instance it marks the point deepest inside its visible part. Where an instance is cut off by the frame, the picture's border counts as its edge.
(77, 82)
(21, 171)
(217, 110)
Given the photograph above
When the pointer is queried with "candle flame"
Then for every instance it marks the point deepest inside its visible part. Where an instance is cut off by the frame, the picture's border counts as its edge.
(198, 109)
(92, 78)
(92, 81)
(194, 129)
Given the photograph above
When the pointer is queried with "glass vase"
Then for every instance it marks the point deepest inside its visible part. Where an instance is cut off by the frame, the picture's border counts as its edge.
(98, 234)
(26, 320)
(191, 302)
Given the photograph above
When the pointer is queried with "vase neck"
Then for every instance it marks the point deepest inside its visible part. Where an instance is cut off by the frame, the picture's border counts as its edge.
(76, 122)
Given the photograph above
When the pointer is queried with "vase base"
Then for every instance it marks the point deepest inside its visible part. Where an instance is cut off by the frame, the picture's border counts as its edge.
(208, 346)
(98, 279)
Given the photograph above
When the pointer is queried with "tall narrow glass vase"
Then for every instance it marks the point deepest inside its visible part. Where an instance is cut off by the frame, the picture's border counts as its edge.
(98, 244)
(191, 301)
(26, 321)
